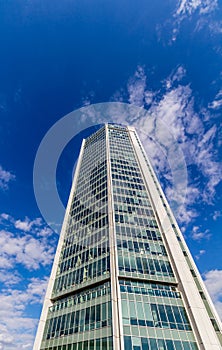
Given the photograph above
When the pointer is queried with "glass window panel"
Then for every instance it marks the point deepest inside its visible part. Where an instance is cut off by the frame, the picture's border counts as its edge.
(127, 263)
(127, 343)
(104, 311)
(132, 309)
(162, 313)
(179, 320)
(169, 313)
(125, 309)
(109, 310)
(186, 345)
(183, 314)
(133, 263)
(155, 313)
(120, 261)
(148, 313)
(97, 344)
(169, 345)
(58, 323)
(87, 318)
(178, 345)
(161, 344)
(82, 320)
(85, 345)
(140, 312)
(91, 345)
(98, 312)
(153, 344)
(145, 344)
(104, 343)
(139, 265)
(77, 321)
(92, 314)
(80, 345)
(145, 266)
(136, 341)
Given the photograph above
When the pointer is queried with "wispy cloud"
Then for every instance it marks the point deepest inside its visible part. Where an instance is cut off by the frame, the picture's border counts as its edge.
(136, 87)
(5, 216)
(217, 102)
(184, 127)
(23, 225)
(216, 27)
(25, 250)
(176, 76)
(198, 234)
(35, 226)
(201, 252)
(25, 242)
(217, 214)
(213, 282)
(184, 200)
(10, 278)
(5, 178)
(88, 98)
(201, 11)
(26, 245)
(188, 7)
(15, 326)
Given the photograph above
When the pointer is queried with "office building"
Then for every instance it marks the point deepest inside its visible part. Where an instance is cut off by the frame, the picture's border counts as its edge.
(123, 277)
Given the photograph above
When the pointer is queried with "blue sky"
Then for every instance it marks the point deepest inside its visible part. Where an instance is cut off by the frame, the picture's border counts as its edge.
(58, 56)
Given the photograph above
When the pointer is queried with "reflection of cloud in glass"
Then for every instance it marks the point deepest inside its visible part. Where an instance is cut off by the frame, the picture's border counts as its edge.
(155, 135)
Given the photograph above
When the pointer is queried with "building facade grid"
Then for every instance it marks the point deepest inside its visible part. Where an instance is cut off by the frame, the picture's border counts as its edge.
(124, 278)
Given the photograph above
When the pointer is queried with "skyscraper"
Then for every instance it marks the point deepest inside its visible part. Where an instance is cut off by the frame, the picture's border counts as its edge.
(123, 277)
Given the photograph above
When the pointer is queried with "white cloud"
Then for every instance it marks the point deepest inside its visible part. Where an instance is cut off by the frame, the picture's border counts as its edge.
(204, 159)
(188, 7)
(9, 278)
(176, 110)
(5, 216)
(5, 178)
(36, 290)
(25, 250)
(216, 215)
(45, 232)
(35, 226)
(199, 10)
(201, 252)
(16, 328)
(23, 225)
(197, 234)
(5, 262)
(172, 123)
(136, 87)
(175, 76)
(87, 99)
(183, 201)
(217, 103)
(173, 108)
(27, 224)
(28, 245)
(213, 282)
(216, 27)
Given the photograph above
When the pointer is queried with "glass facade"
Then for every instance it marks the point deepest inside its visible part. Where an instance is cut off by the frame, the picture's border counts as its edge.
(116, 284)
